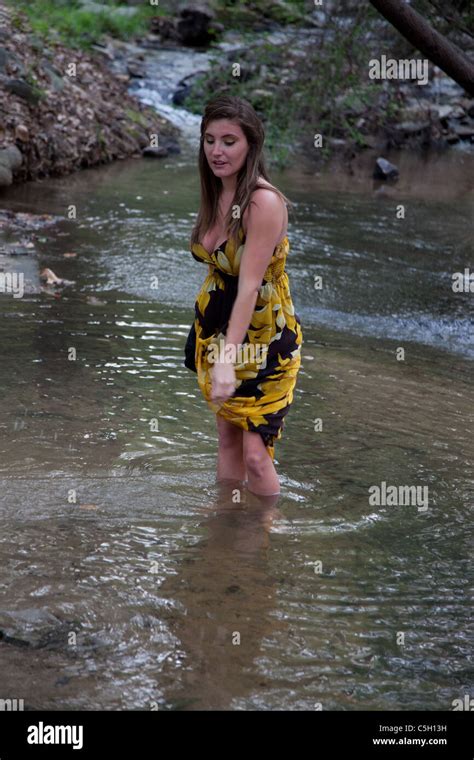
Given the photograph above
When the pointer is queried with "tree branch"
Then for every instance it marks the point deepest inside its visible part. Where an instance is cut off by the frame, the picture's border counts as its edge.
(428, 41)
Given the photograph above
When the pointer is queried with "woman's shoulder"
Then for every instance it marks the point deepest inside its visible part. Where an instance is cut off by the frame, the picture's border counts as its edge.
(266, 193)
(267, 205)
(264, 185)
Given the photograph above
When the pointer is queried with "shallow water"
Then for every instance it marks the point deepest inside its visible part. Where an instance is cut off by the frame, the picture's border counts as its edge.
(115, 531)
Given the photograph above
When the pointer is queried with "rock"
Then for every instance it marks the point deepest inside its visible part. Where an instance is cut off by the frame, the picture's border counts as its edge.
(165, 27)
(6, 177)
(351, 103)
(385, 170)
(263, 94)
(465, 103)
(194, 25)
(9, 60)
(318, 18)
(368, 141)
(185, 87)
(336, 142)
(11, 157)
(23, 90)
(457, 112)
(16, 642)
(171, 144)
(3, 59)
(412, 127)
(21, 133)
(53, 75)
(136, 69)
(415, 110)
(442, 112)
(464, 131)
(451, 138)
(92, 7)
(16, 156)
(150, 152)
(181, 94)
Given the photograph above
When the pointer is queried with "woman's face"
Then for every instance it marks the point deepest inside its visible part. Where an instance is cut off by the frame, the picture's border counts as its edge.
(225, 146)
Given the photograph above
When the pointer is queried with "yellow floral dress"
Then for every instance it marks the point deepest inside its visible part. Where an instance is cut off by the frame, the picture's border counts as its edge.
(266, 369)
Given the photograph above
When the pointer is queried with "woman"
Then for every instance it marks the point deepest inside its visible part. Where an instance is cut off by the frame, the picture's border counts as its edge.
(248, 337)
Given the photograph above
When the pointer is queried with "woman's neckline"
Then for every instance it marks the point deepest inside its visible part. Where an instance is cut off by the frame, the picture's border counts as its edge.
(241, 229)
(244, 235)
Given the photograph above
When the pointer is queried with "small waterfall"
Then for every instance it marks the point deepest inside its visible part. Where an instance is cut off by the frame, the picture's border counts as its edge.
(162, 69)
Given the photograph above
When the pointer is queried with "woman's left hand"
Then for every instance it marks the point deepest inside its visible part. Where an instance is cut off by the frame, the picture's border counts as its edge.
(223, 381)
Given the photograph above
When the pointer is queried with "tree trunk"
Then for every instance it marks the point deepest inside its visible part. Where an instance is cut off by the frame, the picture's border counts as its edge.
(428, 41)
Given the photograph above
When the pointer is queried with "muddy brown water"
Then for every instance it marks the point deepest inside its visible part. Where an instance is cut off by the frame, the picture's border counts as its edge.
(130, 579)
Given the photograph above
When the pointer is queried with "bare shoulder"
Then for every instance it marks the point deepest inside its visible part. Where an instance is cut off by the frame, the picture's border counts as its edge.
(265, 195)
(265, 202)
(266, 211)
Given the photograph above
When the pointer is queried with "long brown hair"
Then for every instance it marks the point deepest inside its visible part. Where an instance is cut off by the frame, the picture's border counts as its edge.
(240, 111)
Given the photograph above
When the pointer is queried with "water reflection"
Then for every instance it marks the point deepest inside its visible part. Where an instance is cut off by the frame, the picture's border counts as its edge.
(226, 596)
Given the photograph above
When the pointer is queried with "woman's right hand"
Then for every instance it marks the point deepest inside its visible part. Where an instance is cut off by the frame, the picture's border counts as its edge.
(223, 381)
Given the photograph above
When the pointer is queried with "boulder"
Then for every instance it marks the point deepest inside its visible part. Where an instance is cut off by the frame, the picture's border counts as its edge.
(11, 157)
(170, 144)
(23, 90)
(442, 112)
(385, 170)
(151, 152)
(464, 131)
(193, 26)
(22, 133)
(6, 177)
(412, 127)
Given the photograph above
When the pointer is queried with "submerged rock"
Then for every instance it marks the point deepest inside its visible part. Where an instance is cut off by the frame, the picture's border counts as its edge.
(385, 170)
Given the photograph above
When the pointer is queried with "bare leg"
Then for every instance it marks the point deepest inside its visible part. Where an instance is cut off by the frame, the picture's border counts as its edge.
(262, 476)
(230, 456)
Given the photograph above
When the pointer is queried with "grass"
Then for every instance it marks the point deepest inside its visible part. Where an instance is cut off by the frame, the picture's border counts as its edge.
(237, 14)
(68, 22)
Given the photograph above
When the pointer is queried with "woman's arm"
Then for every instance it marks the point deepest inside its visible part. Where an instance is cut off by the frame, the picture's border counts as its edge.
(265, 220)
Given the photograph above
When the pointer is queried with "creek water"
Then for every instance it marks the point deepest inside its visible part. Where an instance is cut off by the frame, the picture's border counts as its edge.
(130, 579)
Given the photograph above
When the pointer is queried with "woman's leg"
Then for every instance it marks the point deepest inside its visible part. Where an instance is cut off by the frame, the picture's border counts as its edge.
(230, 457)
(262, 476)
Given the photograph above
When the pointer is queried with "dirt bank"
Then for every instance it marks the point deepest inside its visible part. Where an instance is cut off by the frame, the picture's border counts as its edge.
(63, 109)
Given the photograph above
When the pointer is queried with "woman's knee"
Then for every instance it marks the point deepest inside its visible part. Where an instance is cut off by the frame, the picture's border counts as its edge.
(256, 458)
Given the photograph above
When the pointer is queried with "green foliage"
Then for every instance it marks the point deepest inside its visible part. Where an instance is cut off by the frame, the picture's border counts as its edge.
(75, 26)
(30, 78)
(136, 117)
(451, 18)
(326, 90)
(246, 14)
